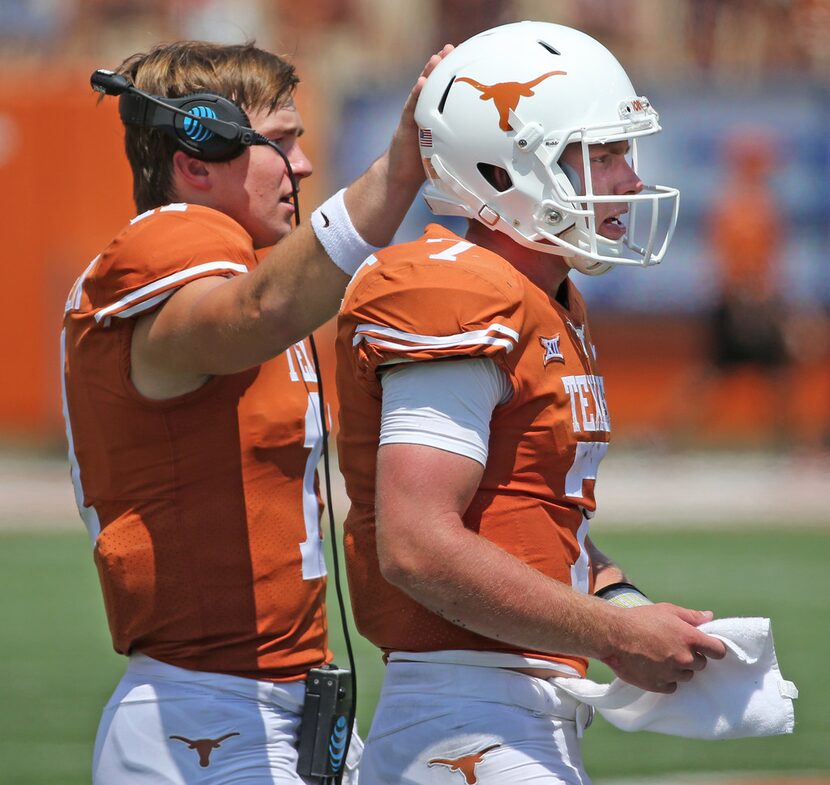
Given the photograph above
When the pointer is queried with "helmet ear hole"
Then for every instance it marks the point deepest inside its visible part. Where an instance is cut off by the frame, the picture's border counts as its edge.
(497, 177)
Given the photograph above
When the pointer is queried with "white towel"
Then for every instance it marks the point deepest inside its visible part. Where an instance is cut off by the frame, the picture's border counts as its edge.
(741, 695)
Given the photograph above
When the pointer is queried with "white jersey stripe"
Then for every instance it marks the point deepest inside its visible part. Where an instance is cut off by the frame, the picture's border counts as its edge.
(73, 302)
(89, 515)
(480, 340)
(168, 281)
(145, 304)
(142, 216)
(417, 338)
(380, 336)
(175, 207)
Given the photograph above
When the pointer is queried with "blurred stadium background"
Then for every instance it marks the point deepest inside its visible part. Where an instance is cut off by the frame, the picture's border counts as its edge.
(717, 489)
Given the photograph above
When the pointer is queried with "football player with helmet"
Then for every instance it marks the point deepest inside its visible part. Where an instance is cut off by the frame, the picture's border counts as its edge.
(473, 420)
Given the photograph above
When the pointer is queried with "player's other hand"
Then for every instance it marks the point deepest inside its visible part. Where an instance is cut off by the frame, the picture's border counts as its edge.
(658, 646)
(404, 154)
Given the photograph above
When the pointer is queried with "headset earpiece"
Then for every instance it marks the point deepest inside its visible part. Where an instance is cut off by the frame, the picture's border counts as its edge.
(199, 139)
(207, 126)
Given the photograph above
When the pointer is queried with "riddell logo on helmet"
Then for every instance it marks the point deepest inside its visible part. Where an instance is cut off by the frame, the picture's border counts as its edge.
(506, 95)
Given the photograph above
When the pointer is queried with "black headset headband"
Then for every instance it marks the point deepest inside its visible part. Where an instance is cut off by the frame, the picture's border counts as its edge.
(208, 126)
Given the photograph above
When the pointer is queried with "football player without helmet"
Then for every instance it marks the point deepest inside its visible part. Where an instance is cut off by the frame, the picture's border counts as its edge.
(558, 86)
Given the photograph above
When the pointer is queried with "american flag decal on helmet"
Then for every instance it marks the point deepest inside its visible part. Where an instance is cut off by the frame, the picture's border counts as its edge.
(425, 137)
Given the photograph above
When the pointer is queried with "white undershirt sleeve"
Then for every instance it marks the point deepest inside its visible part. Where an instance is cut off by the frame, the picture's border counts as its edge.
(445, 404)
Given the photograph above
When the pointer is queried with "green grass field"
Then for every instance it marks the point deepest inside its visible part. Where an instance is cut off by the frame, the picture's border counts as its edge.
(58, 668)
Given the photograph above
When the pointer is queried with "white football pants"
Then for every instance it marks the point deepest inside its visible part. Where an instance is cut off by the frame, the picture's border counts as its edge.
(171, 726)
(453, 724)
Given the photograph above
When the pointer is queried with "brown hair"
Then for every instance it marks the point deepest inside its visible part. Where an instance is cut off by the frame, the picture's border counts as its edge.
(251, 77)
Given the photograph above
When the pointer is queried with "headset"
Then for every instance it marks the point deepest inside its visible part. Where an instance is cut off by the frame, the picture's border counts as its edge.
(207, 126)
(211, 127)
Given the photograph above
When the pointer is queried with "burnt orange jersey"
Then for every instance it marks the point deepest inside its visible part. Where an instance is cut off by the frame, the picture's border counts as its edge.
(443, 297)
(204, 508)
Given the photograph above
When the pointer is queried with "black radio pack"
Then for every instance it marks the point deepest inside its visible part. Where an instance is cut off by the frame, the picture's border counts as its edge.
(325, 732)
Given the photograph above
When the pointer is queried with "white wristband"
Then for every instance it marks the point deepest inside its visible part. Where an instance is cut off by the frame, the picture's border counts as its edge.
(336, 233)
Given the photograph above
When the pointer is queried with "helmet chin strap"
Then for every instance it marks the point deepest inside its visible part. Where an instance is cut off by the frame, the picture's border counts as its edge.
(577, 237)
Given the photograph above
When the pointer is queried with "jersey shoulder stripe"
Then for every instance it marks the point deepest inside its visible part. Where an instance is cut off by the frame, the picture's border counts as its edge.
(150, 295)
(434, 298)
(494, 334)
(157, 253)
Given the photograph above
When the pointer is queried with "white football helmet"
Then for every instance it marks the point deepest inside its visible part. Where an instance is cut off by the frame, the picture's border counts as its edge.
(514, 97)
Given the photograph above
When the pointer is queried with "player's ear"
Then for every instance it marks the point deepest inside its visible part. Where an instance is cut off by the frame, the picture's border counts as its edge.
(190, 170)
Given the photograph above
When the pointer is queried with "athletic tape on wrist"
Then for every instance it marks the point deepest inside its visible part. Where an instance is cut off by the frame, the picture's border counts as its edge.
(623, 595)
(336, 233)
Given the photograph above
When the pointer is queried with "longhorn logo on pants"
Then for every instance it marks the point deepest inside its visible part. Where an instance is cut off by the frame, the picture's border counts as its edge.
(204, 746)
(465, 765)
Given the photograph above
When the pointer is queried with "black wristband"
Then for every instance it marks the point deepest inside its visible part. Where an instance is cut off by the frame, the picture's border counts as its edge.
(622, 594)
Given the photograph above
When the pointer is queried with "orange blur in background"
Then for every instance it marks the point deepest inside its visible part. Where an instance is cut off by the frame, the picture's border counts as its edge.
(65, 191)
(55, 143)
(58, 145)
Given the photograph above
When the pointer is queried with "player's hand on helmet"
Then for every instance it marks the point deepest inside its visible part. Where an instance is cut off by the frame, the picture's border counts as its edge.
(404, 153)
(659, 646)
